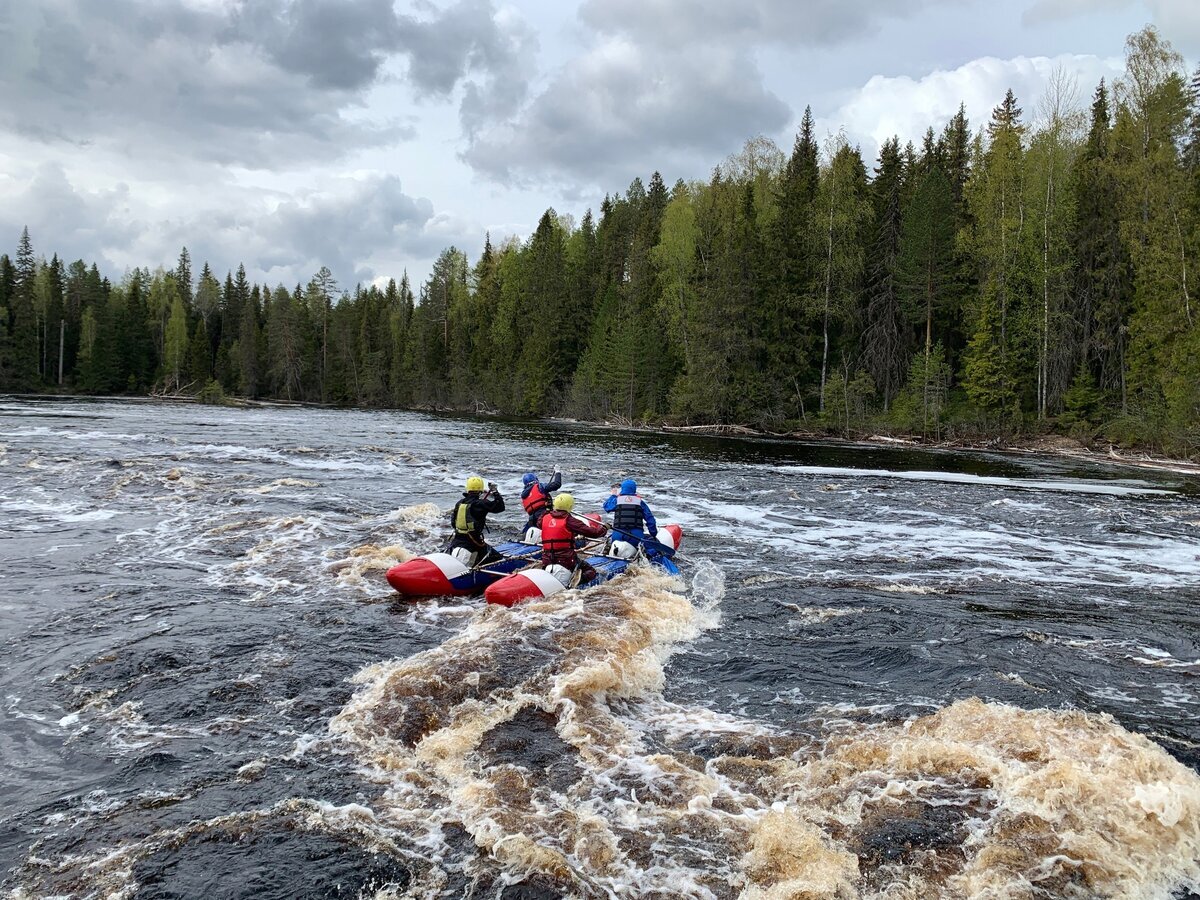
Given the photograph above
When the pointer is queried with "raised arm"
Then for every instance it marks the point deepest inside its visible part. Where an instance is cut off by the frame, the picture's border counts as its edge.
(586, 527)
(493, 502)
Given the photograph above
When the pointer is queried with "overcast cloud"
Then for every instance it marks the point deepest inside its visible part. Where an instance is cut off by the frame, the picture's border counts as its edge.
(367, 135)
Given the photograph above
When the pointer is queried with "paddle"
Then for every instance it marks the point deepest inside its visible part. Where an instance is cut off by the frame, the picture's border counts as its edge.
(647, 542)
(537, 561)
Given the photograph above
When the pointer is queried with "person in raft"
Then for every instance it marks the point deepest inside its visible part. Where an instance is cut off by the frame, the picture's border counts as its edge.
(631, 519)
(559, 530)
(469, 518)
(536, 498)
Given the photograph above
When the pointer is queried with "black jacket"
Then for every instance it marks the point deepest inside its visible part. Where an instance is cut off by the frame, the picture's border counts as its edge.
(477, 508)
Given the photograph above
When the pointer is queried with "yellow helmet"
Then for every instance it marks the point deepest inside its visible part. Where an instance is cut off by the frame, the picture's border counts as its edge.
(564, 501)
(474, 483)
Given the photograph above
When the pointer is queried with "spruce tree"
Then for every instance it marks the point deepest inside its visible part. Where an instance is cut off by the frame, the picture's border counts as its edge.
(927, 252)
(795, 273)
(885, 343)
(997, 212)
(20, 363)
(183, 277)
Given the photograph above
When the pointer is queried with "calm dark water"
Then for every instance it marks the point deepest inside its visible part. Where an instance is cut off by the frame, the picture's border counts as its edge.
(885, 673)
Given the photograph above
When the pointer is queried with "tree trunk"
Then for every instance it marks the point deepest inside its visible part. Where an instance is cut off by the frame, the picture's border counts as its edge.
(1187, 300)
(62, 332)
(1044, 363)
(828, 289)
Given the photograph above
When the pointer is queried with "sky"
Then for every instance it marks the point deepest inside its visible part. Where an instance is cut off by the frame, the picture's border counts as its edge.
(369, 135)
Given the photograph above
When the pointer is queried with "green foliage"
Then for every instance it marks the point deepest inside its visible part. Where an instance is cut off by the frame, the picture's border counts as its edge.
(920, 408)
(176, 352)
(848, 401)
(1083, 402)
(989, 376)
(213, 393)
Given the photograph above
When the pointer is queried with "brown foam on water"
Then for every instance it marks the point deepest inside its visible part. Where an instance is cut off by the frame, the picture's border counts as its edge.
(363, 566)
(541, 732)
(540, 737)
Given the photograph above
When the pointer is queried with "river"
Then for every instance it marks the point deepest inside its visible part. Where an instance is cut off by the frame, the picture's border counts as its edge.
(884, 673)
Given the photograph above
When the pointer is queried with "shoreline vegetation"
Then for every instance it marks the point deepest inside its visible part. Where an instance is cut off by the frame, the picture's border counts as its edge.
(1048, 445)
(1012, 284)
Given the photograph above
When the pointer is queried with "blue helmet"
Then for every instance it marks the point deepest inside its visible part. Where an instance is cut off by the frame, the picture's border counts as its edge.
(628, 486)
(530, 478)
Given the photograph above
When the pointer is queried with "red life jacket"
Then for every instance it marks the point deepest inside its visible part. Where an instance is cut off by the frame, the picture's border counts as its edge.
(536, 499)
(558, 543)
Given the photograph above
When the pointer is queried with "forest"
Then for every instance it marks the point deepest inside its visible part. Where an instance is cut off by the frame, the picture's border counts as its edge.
(1030, 274)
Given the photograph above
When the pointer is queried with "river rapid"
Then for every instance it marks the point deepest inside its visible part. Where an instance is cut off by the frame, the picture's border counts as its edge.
(884, 673)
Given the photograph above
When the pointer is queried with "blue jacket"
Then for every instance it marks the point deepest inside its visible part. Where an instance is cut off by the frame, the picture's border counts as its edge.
(610, 505)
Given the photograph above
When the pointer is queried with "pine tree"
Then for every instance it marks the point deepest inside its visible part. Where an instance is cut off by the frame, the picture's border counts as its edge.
(8, 278)
(927, 252)
(285, 345)
(183, 277)
(543, 368)
(199, 359)
(1102, 284)
(996, 203)
(401, 304)
(319, 300)
(49, 289)
(885, 344)
(247, 345)
(135, 344)
(988, 375)
(19, 357)
(795, 271)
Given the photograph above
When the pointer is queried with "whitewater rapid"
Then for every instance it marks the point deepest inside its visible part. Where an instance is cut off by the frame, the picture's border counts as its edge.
(876, 678)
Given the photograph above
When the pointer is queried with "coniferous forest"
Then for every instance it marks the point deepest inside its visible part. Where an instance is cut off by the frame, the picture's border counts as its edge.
(1029, 273)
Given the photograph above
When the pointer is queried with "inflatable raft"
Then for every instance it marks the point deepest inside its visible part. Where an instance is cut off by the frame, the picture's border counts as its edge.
(538, 582)
(444, 575)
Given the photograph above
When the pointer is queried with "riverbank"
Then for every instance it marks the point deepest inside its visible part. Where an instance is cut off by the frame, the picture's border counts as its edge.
(1051, 445)
(1035, 445)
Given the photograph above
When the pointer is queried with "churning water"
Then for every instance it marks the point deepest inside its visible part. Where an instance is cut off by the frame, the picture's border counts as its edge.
(884, 674)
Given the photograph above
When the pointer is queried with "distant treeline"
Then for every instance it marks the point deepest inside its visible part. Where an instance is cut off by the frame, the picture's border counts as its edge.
(1014, 277)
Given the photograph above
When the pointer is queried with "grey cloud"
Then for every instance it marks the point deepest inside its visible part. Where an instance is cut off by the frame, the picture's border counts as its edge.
(470, 43)
(673, 81)
(338, 45)
(354, 226)
(812, 23)
(260, 83)
(341, 230)
(605, 115)
(74, 224)
(1052, 10)
(166, 80)
(1180, 23)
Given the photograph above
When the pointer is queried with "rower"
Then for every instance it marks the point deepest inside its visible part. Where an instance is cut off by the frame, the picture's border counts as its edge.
(469, 518)
(631, 519)
(536, 498)
(559, 530)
